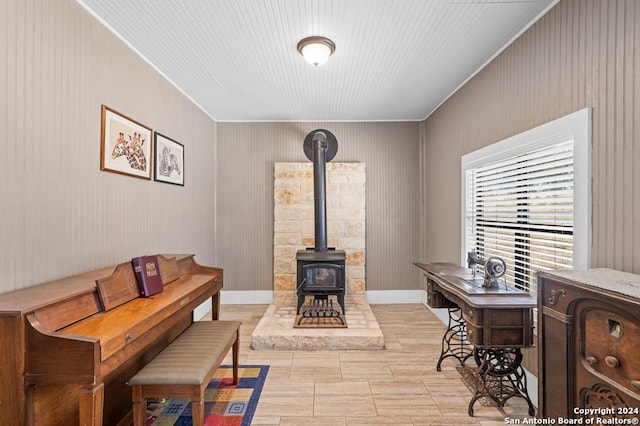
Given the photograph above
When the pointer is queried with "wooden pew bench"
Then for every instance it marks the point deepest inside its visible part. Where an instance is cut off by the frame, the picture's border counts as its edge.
(185, 367)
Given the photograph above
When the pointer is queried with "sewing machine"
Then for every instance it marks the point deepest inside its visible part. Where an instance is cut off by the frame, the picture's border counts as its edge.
(494, 268)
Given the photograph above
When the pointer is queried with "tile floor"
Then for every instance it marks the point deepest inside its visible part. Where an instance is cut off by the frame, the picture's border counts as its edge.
(397, 386)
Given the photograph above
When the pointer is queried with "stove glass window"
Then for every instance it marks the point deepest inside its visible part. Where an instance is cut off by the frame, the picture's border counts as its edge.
(321, 276)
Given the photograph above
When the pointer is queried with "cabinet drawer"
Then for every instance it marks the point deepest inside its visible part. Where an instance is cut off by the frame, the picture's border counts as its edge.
(499, 328)
(472, 315)
(435, 298)
(475, 334)
(498, 337)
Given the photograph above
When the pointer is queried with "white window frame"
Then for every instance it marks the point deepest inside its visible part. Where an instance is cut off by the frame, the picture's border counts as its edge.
(575, 126)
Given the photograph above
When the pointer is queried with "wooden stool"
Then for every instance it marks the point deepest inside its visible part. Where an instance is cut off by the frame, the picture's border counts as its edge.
(185, 367)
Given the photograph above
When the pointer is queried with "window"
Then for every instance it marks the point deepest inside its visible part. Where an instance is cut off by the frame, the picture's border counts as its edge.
(527, 200)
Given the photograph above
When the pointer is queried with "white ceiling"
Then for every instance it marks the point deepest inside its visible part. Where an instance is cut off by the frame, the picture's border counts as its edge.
(394, 59)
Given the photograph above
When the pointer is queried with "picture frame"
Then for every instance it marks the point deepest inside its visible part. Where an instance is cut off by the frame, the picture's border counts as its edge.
(169, 160)
(125, 145)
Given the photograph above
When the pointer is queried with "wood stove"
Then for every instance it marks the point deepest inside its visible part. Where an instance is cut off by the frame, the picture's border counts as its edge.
(321, 274)
(320, 269)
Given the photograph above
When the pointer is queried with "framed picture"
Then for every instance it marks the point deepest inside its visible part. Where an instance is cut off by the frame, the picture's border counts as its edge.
(125, 145)
(169, 160)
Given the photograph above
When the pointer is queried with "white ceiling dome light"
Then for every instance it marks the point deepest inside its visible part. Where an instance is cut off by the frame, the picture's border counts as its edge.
(316, 49)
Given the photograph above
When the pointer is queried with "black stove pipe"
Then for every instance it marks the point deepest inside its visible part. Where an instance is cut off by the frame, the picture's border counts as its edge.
(320, 146)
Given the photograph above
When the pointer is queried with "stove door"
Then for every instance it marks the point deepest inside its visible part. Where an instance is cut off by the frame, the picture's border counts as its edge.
(319, 277)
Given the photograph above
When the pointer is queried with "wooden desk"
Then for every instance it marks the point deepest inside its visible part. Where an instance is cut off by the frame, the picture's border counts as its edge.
(65, 359)
(498, 322)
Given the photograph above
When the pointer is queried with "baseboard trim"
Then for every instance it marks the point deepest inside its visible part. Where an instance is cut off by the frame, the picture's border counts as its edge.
(441, 313)
(260, 297)
(246, 297)
(383, 297)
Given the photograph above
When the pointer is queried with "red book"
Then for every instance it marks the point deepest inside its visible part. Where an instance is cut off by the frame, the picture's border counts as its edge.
(147, 274)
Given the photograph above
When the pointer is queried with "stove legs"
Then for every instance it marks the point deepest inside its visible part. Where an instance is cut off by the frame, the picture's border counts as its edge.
(320, 308)
(340, 298)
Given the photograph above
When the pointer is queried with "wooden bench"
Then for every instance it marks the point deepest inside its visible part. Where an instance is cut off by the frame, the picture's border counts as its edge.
(185, 367)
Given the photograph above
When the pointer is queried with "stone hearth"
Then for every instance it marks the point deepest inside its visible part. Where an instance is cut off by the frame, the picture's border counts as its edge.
(275, 329)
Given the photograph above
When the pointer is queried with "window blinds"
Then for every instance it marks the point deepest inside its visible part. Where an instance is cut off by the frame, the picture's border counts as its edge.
(521, 209)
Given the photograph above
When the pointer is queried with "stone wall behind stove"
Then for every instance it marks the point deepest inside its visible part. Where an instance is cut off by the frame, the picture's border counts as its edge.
(294, 227)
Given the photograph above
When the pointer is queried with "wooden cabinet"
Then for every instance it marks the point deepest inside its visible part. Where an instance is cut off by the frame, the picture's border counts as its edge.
(589, 340)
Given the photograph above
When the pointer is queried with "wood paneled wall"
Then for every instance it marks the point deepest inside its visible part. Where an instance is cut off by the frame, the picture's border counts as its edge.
(60, 215)
(246, 156)
(583, 53)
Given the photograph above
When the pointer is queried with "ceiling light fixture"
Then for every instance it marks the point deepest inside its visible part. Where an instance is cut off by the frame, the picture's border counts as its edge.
(316, 49)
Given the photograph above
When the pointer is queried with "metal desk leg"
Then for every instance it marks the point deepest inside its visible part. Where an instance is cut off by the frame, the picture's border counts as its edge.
(453, 341)
(500, 376)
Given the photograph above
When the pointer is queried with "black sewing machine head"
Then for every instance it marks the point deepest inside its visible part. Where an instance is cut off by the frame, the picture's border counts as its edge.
(494, 268)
